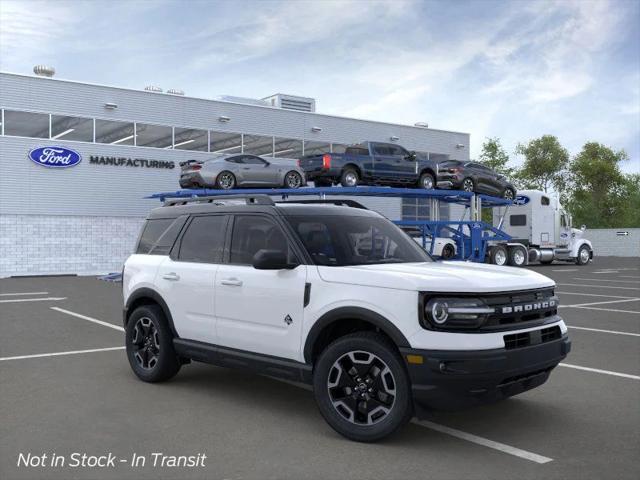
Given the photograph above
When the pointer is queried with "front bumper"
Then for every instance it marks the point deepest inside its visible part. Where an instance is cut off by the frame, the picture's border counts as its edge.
(452, 380)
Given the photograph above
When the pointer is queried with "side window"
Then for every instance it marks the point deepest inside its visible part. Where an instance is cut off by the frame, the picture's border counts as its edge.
(252, 233)
(168, 238)
(151, 233)
(238, 159)
(397, 151)
(518, 220)
(203, 242)
(380, 150)
(252, 160)
(545, 201)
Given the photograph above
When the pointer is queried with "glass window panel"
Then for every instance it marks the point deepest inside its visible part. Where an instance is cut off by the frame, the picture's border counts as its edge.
(114, 132)
(287, 148)
(316, 148)
(190, 139)
(71, 128)
(338, 148)
(227, 143)
(157, 136)
(203, 241)
(26, 124)
(258, 145)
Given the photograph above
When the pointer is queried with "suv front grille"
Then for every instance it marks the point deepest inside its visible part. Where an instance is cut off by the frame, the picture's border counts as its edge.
(520, 307)
(535, 337)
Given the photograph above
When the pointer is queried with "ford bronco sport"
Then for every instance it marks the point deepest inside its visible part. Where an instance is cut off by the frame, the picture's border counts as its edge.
(337, 297)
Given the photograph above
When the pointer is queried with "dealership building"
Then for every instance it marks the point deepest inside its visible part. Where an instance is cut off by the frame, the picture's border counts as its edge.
(85, 218)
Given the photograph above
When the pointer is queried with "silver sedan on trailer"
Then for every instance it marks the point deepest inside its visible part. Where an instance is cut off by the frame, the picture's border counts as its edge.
(241, 170)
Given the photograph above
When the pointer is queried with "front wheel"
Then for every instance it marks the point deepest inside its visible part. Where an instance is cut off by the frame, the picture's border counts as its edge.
(362, 387)
(448, 252)
(468, 185)
(293, 179)
(584, 255)
(149, 345)
(508, 194)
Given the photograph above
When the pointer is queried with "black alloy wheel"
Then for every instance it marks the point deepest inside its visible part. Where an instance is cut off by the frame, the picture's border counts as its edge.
(468, 185)
(508, 194)
(293, 180)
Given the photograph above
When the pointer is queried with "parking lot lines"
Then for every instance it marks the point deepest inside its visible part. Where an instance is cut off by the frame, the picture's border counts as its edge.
(592, 294)
(89, 319)
(534, 457)
(633, 299)
(44, 299)
(597, 370)
(607, 280)
(596, 286)
(565, 270)
(23, 293)
(615, 332)
(610, 310)
(57, 354)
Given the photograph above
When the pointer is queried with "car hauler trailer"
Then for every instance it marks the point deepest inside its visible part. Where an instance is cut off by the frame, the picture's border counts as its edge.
(540, 230)
(471, 237)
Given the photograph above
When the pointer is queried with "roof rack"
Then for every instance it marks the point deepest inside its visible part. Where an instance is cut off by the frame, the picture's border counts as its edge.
(220, 200)
(338, 202)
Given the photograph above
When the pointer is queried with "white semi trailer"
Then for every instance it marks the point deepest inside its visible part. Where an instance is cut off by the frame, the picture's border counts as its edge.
(541, 231)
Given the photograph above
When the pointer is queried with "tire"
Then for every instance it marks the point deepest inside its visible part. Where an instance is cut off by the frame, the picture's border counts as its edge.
(349, 178)
(149, 345)
(448, 252)
(508, 194)
(225, 180)
(292, 180)
(380, 371)
(427, 181)
(468, 185)
(517, 256)
(584, 255)
(498, 255)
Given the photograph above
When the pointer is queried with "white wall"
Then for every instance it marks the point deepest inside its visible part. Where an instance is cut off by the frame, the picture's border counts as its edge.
(607, 243)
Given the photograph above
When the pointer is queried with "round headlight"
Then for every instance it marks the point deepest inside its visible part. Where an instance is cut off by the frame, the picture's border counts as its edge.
(439, 312)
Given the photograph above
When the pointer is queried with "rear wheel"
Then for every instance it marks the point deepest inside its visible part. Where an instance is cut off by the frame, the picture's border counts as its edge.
(149, 345)
(293, 179)
(468, 185)
(498, 255)
(226, 180)
(362, 387)
(448, 251)
(427, 181)
(349, 178)
(517, 256)
(508, 194)
(584, 255)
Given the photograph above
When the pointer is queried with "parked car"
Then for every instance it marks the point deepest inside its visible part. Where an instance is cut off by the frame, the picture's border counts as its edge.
(474, 177)
(232, 171)
(443, 248)
(339, 298)
(371, 163)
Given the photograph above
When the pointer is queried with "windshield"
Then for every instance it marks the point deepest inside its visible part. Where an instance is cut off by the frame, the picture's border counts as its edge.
(341, 240)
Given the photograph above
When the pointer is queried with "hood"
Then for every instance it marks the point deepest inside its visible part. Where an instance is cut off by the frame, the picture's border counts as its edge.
(577, 233)
(458, 277)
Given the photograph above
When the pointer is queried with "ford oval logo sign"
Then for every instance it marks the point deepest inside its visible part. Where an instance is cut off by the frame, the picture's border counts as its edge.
(521, 200)
(55, 157)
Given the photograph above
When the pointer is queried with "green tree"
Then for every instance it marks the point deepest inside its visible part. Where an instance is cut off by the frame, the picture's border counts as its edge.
(495, 157)
(599, 194)
(545, 162)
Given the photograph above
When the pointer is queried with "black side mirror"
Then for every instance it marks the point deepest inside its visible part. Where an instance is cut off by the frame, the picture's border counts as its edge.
(411, 156)
(272, 260)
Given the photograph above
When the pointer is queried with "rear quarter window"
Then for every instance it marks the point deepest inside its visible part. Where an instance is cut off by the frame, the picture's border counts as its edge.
(159, 235)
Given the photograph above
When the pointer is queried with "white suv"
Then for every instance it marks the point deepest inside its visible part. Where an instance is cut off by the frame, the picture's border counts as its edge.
(338, 297)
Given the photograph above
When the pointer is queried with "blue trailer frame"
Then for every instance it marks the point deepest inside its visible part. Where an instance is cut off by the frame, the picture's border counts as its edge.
(472, 236)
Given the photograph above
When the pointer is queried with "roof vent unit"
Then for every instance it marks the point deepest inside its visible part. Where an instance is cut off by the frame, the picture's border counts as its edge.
(175, 91)
(244, 100)
(153, 88)
(421, 124)
(292, 102)
(44, 71)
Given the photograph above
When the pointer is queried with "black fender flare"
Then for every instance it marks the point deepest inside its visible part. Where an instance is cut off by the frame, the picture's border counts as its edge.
(151, 294)
(352, 313)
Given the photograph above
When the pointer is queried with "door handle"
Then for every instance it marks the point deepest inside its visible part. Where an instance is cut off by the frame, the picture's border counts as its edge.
(232, 282)
(173, 276)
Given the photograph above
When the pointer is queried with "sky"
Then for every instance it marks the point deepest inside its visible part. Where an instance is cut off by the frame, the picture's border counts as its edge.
(514, 70)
